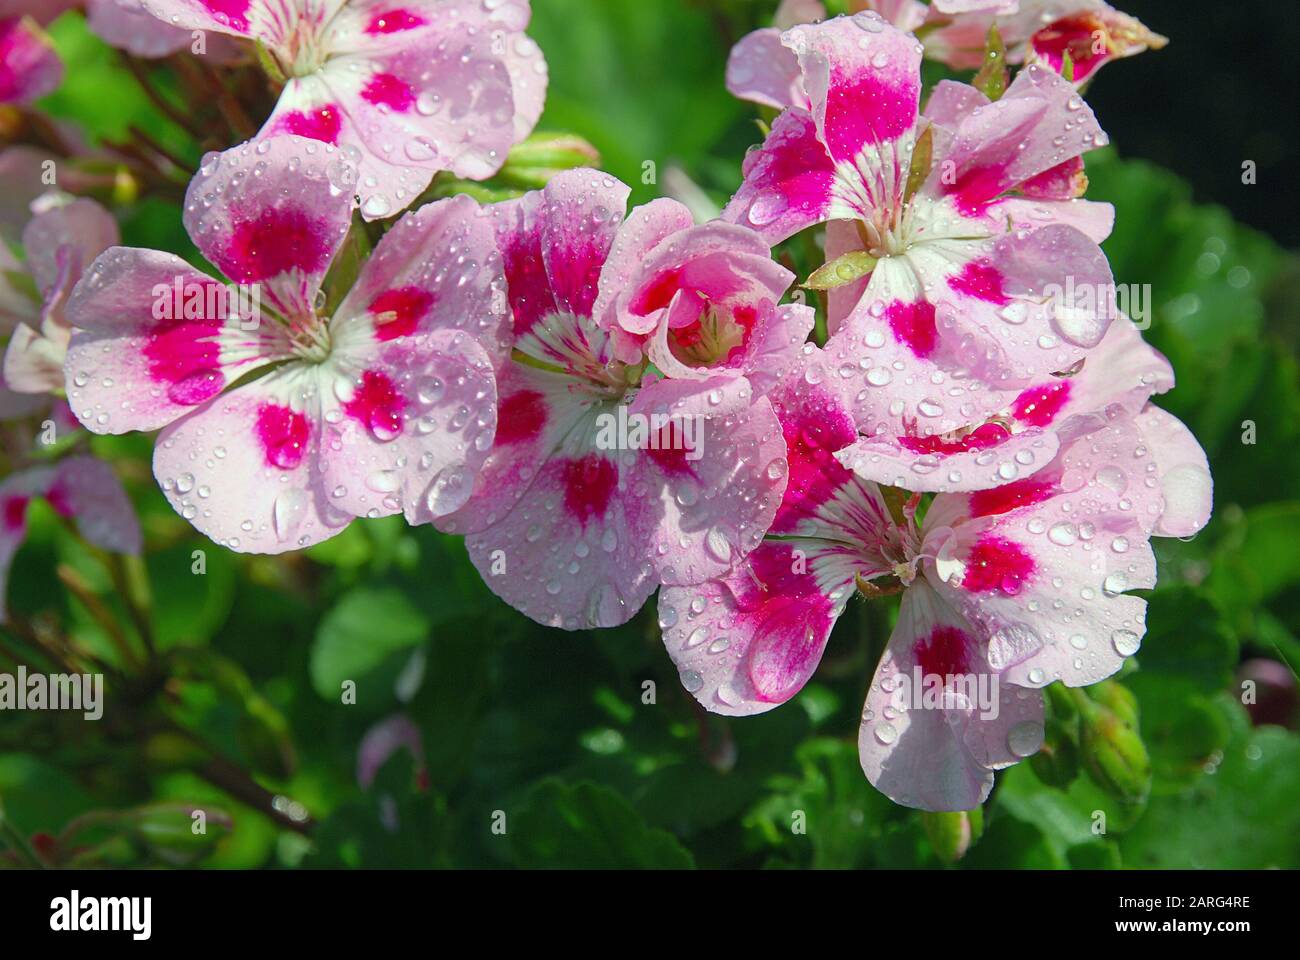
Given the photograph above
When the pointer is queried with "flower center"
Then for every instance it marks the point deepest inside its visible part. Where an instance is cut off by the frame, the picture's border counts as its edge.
(309, 338)
(712, 338)
(303, 53)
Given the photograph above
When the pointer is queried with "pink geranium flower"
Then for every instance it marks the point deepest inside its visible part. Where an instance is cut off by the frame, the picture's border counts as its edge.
(406, 88)
(282, 424)
(80, 488)
(1092, 32)
(579, 519)
(765, 71)
(1013, 587)
(29, 65)
(967, 243)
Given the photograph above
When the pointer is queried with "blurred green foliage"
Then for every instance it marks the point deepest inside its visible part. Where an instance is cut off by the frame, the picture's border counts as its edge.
(541, 748)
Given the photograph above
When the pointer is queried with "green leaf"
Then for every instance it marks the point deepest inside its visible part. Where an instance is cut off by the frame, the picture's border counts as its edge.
(589, 826)
(991, 80)
(1243, 816)
(1259, 558)
(845, 268)
(1186, 636)
(365, 638)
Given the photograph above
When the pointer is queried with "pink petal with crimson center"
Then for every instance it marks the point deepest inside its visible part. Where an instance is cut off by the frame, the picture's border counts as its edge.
(415, 431)
(1047, 579)
(538, 410)
(269, 23)
(749, 642)
(719, 263)
(1039, 123)
(863, 79)
(555, 243)
(940, 754)
(271, 212)
(154, 338)
(712, 505)
(788, 183)
(987, 457)
(245, 469)
(437, 268)
(566, 554)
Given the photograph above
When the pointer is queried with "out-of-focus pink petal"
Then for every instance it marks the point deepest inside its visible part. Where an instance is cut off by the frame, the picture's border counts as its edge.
(14, 404)
(763, 70)
(42, 11)
(29, 65)
(16, 491)
(82, 488)
(125, 24)
(80, 230)
(88, 490)
(384, 739)
(33, 363)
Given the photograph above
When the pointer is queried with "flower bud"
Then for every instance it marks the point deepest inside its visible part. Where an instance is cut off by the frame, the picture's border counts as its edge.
(951, 834)
(1113, 753)
(531, 164)
(1057, 761)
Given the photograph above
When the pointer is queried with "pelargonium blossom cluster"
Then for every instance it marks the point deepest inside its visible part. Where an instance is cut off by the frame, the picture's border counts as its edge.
(610, 403)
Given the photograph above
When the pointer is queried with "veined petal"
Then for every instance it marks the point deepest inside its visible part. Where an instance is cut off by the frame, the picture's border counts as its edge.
(437, 268)
(748, 642)
(155, 338)
(789, 181)
(273, 212)
(246, 468)
(410, 428)
(938, 717)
